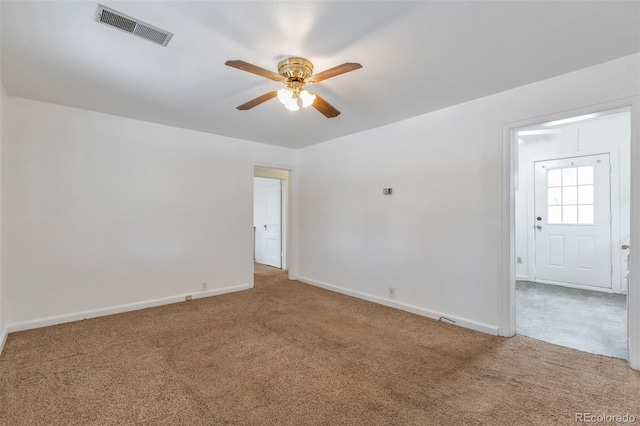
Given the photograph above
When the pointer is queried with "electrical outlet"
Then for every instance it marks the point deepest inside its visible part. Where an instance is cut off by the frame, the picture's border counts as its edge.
(204, 286)
(518, 260)
(392, 292)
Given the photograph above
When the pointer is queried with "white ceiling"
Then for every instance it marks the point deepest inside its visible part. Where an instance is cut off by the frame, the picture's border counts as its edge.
(417, 57)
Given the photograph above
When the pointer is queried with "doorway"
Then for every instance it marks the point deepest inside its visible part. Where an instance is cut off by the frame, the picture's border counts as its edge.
(267, 221)
(270, 208)
(572, 217)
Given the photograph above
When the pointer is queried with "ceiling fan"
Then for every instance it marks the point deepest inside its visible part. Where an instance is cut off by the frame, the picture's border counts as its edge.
(295, 73)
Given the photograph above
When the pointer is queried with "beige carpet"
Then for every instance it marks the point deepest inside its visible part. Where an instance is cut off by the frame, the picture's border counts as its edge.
(286, 353)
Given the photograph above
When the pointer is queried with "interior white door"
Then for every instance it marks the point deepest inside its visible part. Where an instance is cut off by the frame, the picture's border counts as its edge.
(573, 221)
(267, 218)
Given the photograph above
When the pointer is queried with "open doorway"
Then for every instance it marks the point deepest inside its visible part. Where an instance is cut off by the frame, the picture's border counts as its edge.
(267, 221)
(270, 208)
(572, 220)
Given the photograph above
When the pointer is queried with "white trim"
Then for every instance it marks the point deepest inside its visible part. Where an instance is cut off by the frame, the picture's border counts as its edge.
(269, 173)
(633, 292)
(523, 278)
(576, 286)
(473, 325)
(507, 262)
(3, 338)
(507, 219)
(292, 234)
(78, 316)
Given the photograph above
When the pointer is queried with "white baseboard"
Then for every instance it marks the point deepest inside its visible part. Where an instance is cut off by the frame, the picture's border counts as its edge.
(523, 278)
(473, 325)
(3, 338)
(576, 286)
(78, 316)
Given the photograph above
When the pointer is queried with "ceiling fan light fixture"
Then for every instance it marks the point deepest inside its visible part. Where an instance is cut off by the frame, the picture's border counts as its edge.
(287, 98)
(307, 98)
(293, 105)
(285, 95)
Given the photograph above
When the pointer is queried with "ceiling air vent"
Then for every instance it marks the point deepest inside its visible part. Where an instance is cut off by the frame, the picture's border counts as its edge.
(126, 23)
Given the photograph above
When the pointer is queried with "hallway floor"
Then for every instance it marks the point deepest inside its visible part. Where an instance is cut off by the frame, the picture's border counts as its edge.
(589, 321)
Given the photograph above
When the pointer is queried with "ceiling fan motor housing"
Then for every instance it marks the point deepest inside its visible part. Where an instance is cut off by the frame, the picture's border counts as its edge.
(295, 69)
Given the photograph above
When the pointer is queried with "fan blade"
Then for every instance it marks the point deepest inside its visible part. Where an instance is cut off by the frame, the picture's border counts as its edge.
(332, 72)
(257, 101)
(325, 107)
(246, 66)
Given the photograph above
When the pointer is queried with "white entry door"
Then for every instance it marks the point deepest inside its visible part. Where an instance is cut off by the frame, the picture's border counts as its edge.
(267, 220)
(573, 221)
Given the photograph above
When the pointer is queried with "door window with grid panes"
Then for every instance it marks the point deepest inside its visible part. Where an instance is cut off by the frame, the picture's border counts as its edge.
(570, 196)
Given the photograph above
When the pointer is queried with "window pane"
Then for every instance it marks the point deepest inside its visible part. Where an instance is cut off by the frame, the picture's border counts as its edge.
(585, 194)
(569, 176)
(554, 177)
(585, 215)
(585, 175)
(569, 195)
(554, 196)
(555, 215)
(569, 214)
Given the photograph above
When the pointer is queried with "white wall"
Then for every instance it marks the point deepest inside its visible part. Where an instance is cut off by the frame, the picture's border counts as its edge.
(105, 212)
(3, 94)
(3, 140)
(606, 134)
(437, 239)
(102, 212)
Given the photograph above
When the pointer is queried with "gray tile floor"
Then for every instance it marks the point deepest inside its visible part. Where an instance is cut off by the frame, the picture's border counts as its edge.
(589, 321)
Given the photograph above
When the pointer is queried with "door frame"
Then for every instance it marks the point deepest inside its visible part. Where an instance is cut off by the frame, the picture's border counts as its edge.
(286, 175)
(526, 169)
(508, 256)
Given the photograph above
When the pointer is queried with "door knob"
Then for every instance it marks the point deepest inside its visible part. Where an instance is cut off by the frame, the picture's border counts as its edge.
(538, 227)
(265, 227)
(538, 218)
